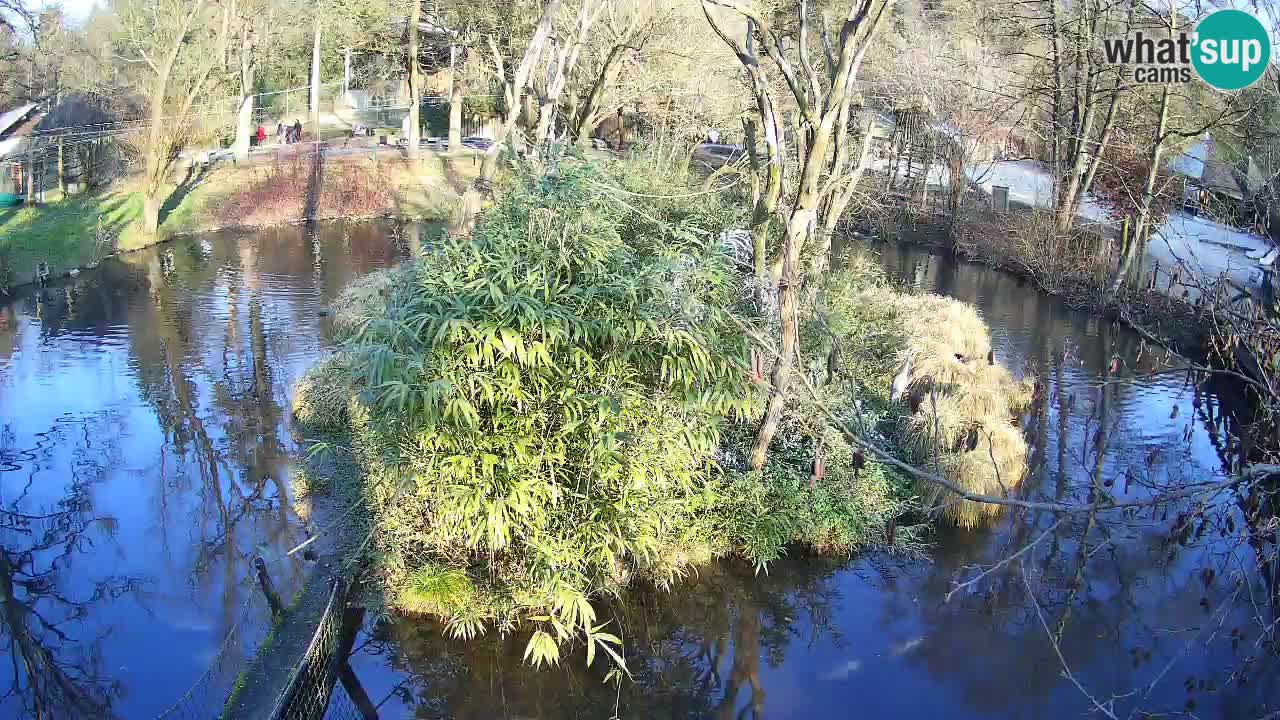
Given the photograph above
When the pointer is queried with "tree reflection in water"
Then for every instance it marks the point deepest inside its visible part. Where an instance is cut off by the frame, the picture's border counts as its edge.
(696, 651)
(193, 345)
(54, 655)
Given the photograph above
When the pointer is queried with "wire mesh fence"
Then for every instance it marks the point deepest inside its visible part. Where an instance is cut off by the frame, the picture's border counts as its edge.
(342, 706)
(205, 699)
(306, 697)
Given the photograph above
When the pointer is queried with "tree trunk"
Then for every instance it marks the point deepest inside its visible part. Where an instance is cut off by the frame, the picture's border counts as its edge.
(473, 198)
(1144, 207)
(415, 82)
(86, 167)
(1095, 159)
(780, 378)
(153, 161)
(244, 123)
(759, 230)
(564, 63)
(315, 79)
(31, 171)
(1055, 120)
(155, 156)
(151, 212)
(1082, 115)
(839, 202)
(813, 150)
(244, 117)
(455, 102)
(583, 119)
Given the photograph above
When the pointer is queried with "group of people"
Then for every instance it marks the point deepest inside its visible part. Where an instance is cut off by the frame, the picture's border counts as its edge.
(285, 134)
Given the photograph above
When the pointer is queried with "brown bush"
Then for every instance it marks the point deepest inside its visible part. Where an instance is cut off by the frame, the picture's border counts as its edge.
(290, 192)
(1028, 244)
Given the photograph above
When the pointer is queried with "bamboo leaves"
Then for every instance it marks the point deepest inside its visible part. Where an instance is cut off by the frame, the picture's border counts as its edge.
(555, 390)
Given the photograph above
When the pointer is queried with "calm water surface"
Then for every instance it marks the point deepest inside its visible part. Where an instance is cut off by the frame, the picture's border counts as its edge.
(145, 458)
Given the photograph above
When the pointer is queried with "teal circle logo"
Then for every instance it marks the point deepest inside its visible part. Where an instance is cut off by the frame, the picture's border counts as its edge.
(1231, 49)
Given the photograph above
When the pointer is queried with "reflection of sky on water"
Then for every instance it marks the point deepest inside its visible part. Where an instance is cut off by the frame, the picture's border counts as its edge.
(874, 636)
(156, 389)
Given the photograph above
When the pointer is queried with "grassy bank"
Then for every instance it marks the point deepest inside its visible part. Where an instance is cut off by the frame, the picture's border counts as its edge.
(80, 230)
(561, 406)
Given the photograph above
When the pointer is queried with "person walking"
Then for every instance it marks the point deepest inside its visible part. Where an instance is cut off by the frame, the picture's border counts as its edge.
(279, 133)
(297, 130)
(261, 136)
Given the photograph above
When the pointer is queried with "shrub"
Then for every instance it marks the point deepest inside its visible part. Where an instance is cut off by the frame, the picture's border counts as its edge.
(287, 193)
(542, 411)
(544, 401)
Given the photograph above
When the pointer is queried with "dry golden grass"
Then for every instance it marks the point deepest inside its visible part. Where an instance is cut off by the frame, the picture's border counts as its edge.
(962, 407)
(995, 466)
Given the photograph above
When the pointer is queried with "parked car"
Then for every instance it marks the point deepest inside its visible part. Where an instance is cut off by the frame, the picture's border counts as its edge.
(717, 155)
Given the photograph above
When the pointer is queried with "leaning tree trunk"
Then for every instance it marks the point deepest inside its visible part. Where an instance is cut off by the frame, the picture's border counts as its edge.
(415, 81)
(780, 378)
(583, 118)
(455, 102)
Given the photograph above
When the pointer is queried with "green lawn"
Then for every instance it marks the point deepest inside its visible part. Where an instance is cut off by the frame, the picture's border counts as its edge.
(64, 233)
(78, 230)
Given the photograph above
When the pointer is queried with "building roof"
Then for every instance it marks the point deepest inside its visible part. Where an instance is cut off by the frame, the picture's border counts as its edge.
(1202, 163)
(12, 117)
(8, 145)
(75, 111)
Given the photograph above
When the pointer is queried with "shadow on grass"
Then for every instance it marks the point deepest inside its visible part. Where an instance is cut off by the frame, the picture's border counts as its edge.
(195, 176)
(65, 234)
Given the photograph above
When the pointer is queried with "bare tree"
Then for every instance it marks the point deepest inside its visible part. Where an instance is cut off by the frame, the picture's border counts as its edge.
(560, 65)
(627, 35)
(513, 90)
(246, 20)
(823, 101)
(175, 40)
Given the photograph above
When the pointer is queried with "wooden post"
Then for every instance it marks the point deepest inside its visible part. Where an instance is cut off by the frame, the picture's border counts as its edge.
(86, 166)
(62, 169)
(31, 171)
(268, 589)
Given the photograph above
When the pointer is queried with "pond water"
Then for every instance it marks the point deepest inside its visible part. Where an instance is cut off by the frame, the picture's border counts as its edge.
(146, 458)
